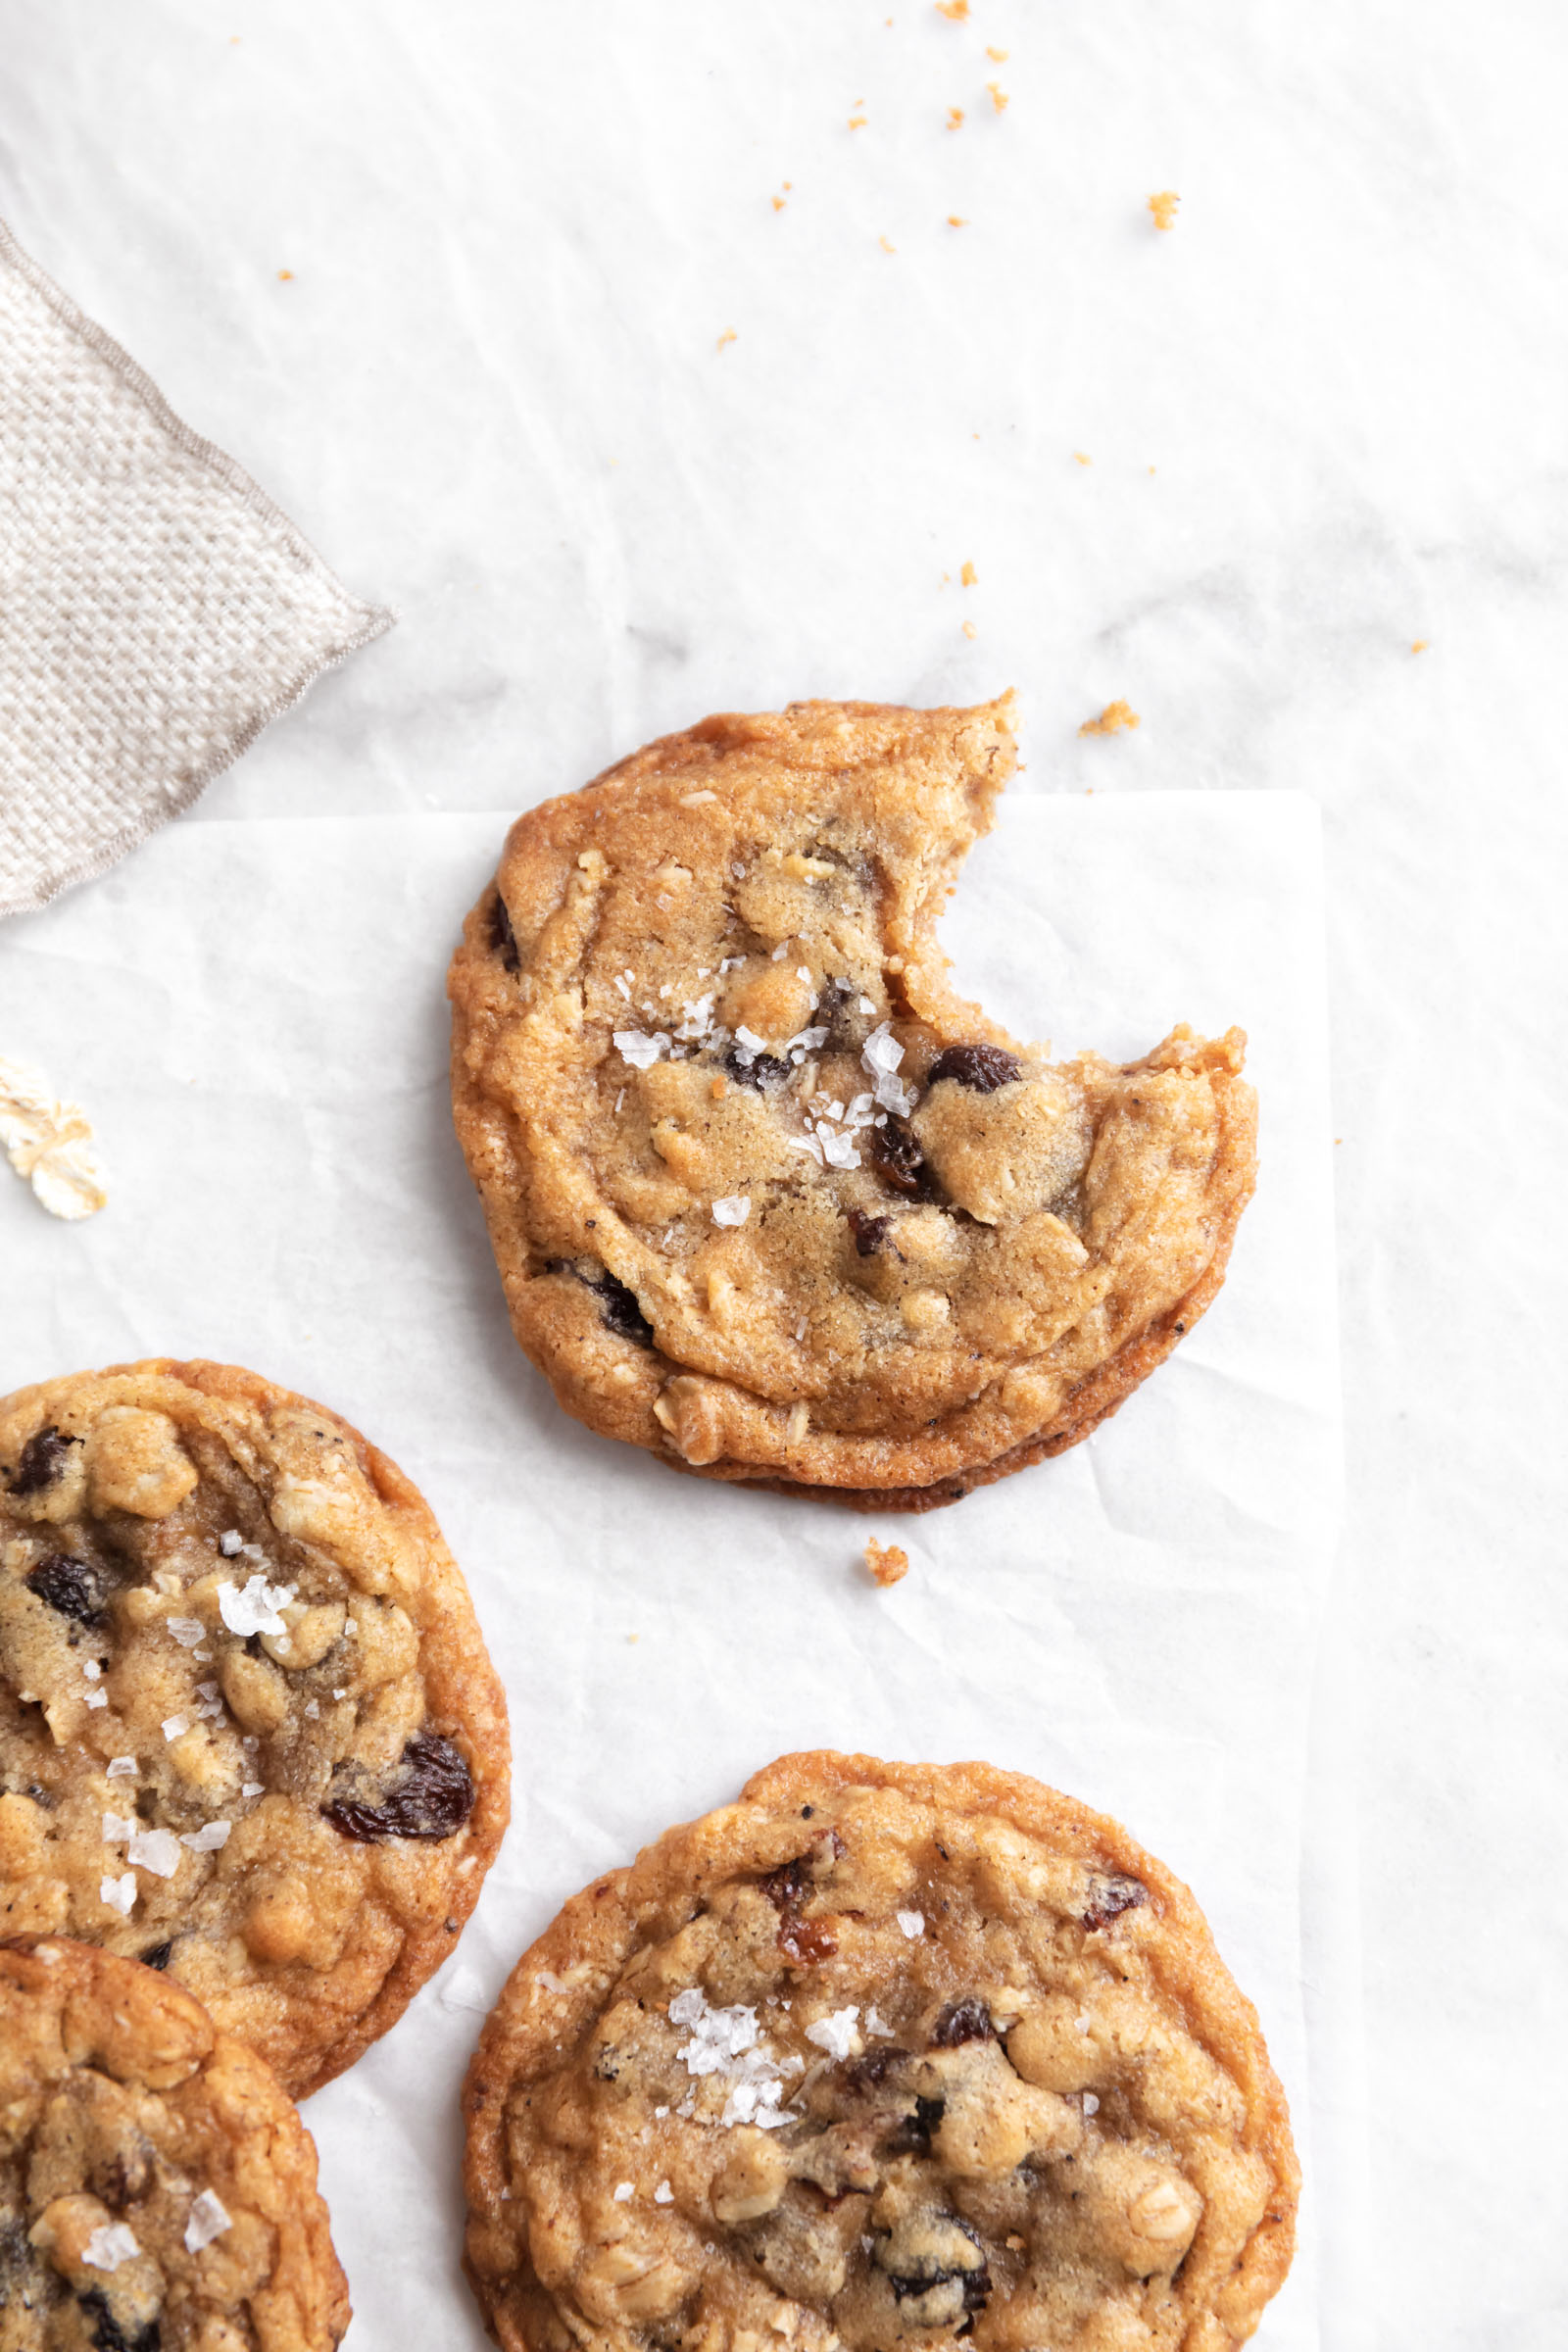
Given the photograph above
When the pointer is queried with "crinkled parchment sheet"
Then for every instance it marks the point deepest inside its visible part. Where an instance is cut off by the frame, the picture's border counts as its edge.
(253, 1014)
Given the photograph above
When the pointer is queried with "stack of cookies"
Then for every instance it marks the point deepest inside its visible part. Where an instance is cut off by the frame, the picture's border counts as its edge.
(880, 2056)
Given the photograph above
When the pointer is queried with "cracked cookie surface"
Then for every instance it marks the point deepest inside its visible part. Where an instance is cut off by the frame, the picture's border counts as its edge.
(881, 2055)
(767, 1197)
(249, 1733)
(157, 2186)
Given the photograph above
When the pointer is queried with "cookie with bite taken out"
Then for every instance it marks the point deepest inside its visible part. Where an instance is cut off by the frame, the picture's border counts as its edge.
(768, 1198)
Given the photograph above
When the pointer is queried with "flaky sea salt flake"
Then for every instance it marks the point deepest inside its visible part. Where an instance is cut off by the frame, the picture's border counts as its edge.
(121, 1768)
(207, 1839)
(175, 1726)
(732, 1209)
(119, 1893)
(636, 1047)
(187, 1631)
(913, 1923)
(109, 2244)
(836, 2033)
(157, 1850)
(209, 2218)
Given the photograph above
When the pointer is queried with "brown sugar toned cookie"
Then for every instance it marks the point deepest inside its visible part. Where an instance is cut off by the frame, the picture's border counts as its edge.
(881, 2055)
(768, 1198)
(249, 1733)
(157, 2187)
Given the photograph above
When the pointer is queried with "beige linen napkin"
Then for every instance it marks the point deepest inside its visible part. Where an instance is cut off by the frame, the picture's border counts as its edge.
(156, 608)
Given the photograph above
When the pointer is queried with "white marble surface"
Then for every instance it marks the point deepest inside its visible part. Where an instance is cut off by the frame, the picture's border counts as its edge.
(491, 392)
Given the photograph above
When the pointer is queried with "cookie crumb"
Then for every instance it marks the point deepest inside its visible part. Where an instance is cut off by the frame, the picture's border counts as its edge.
(955, 118)
(1420, 645)
(956, 220)
(998, 57)
(998, 96)
(968, 577)
(728, 336)
(1162, 207)
(969, 629)
(1081, 457)
(954, 11)
(1115, 719)
(888, 1564)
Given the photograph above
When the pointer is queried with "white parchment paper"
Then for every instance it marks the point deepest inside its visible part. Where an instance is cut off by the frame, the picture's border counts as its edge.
(253, 1014)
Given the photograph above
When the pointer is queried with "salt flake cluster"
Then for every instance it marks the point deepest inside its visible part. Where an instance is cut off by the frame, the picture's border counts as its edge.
(881, 1055)
(729, 2043)
(255, 1606)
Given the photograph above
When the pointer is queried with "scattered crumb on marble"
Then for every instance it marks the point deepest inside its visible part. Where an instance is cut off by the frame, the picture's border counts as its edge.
(856, 122)
(954, 221)
(955, 118)
(954, 10)
(969, 629)
(1164, 208)
(969, 575)
(886, 247)
(998, 96)
(728, 336)
(1420, 645)
(1112, 720)
(886, 1563)
(998, 57)
(1081, 457)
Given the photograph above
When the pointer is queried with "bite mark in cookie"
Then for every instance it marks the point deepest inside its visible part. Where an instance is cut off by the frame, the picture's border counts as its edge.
(879, 2056)
(248, 1730)
(768, 1198)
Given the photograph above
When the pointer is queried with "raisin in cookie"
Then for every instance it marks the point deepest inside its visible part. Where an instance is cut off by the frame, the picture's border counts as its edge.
(157, 2187)
(248, 1729)
(881, 2055)
(767, 1197)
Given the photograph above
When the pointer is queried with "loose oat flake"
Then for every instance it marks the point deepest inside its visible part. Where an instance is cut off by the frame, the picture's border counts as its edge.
(50, 1144)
